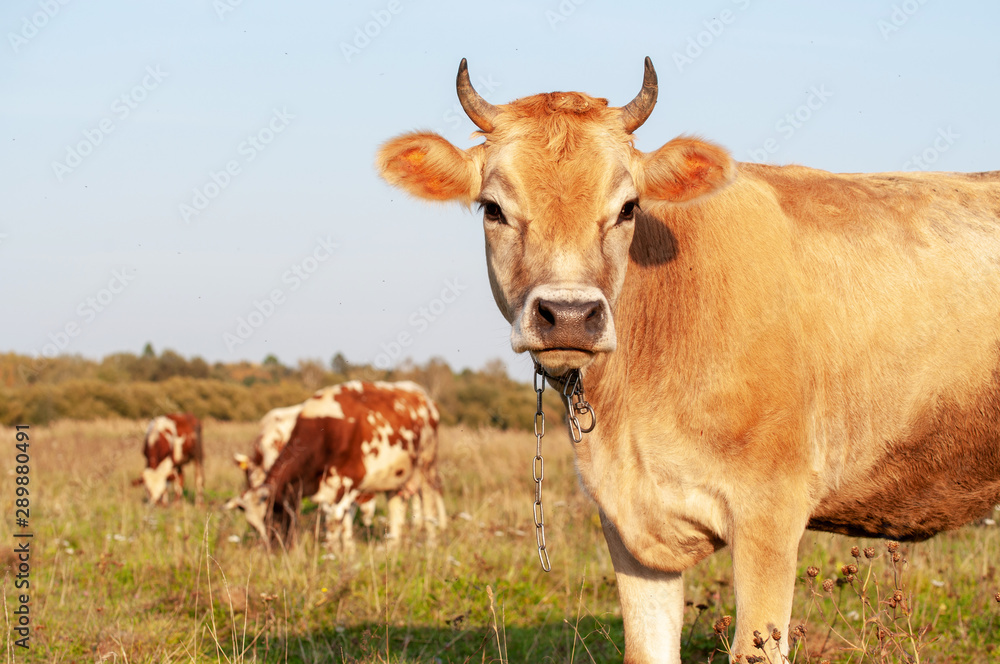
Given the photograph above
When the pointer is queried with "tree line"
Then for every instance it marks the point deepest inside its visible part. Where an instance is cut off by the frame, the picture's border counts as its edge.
(140, 386)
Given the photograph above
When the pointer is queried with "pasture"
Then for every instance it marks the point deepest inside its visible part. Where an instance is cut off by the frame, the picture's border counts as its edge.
(116, 580)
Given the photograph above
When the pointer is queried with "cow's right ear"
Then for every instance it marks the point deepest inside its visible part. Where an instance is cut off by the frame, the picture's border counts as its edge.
(430, 167)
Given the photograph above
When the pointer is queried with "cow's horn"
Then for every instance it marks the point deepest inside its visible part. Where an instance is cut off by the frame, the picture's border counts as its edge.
(478, 109)
(638, 110)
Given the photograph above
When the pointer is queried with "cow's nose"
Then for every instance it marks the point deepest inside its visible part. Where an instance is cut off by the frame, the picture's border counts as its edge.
(568, 324)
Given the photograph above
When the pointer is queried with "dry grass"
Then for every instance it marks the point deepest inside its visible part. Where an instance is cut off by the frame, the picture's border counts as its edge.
(116, 580)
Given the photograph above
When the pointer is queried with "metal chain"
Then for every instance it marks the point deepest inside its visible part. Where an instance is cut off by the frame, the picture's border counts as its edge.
(576, 404)
(538, 469)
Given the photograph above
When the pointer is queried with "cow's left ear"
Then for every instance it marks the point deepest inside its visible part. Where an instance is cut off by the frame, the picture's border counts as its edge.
(242, 460)
(685, 169)
(428, 166)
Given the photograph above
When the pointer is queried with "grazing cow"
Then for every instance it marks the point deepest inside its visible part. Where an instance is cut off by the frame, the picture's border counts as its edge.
(171, 442)
(275, 430)
(349, 442)
(767, 349)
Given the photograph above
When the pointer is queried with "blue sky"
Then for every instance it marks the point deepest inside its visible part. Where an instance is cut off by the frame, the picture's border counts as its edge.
(198, 174)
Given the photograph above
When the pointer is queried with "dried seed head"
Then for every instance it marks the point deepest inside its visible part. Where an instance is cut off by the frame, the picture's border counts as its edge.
(896, 557)
(828, 585)
(775, 634)
(845, 570)
(754, 659)
(898, 595)
(813, 572)
(701, 607)
(799, 631)
(719, 626)
(892, 547)
(758, 642)
(853, 568)
(855, 552)
(869, 552)
(997, 597)
(727, 620)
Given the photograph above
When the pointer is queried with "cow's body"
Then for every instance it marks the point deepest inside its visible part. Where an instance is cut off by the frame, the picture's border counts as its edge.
(766, 348)
(172, 441)
(349, 442)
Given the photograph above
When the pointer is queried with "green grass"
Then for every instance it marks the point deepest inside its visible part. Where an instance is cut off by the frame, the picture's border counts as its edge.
(116, 580)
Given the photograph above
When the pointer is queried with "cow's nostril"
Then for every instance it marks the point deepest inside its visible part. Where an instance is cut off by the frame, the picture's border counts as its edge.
(546, 313)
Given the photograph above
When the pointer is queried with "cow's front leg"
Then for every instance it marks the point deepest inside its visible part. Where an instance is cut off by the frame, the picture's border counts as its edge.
(199, 482)
(397, 518)
(179, 484)
(765, 552)
(652, 605)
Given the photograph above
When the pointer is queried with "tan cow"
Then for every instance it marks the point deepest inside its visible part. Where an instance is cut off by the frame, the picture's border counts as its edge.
(767, 349)
(349, 442)
(171, 442)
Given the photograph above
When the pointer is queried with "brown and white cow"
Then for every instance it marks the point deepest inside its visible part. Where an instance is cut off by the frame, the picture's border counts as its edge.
(172, 441)
(351, 441)
(275, 429)
(767, 349)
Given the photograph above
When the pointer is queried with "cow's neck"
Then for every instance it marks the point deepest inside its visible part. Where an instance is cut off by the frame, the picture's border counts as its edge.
(632, 465)
(288, 468)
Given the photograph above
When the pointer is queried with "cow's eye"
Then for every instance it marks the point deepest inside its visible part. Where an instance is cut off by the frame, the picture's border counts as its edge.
(492, 212)
(628, 212)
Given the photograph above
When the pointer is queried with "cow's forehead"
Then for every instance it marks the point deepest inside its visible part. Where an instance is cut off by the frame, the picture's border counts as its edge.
(554, 159)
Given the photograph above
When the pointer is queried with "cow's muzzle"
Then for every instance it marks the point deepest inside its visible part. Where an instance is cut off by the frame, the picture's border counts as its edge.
(564, 328)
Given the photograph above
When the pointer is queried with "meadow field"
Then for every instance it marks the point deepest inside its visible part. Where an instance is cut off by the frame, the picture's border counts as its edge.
(113, 579)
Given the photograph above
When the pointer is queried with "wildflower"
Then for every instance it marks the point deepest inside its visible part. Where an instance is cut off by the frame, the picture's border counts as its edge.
(828, 585)
(813, 572)
(869, 552)
(776, 634)
(855, 552)
(892, 547)
(896, 557)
